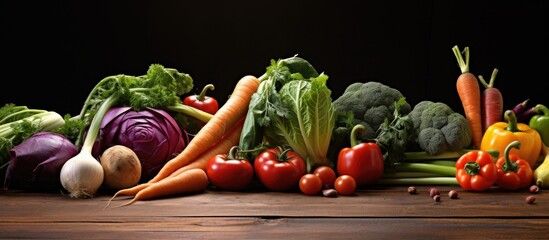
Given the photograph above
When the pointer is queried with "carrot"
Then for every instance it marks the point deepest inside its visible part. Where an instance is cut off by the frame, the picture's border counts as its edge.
(128, 191)
(222, 147)
(221, 122)
(191, 181)
(492, 102)
(469, 92)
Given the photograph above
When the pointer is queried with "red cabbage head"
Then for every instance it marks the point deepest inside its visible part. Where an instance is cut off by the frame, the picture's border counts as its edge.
(35, 164)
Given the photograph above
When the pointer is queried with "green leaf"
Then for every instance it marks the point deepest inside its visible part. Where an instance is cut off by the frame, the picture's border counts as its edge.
(308, 128)
(299, 65)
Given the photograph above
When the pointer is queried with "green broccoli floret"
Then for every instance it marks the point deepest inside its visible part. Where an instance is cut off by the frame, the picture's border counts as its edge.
(438, 128)
(371, 103)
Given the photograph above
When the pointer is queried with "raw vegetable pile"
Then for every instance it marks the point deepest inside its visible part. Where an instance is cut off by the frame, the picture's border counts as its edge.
(148, 137)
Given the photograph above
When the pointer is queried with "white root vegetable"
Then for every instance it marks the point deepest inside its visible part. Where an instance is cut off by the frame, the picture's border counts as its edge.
(82, 175)
(121, 166)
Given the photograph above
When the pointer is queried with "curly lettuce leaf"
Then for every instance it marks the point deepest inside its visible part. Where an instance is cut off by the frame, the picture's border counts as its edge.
(308, 128)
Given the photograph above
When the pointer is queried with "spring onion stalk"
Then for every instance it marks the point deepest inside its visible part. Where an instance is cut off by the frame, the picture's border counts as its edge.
(190, 111)
(421, 168)
(44, 120)
(15, 129)
(411, 175)
(419, 181)
(431, 160)
(422, 155)
(425, 167)
(449, 163)
(19, 112)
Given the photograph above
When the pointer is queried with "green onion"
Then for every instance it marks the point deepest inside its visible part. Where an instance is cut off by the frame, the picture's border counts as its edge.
(411, 175)
(422, 155)
(419, 181)
(425, 167)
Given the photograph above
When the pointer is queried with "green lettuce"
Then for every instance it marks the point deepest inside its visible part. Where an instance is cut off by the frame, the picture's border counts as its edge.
(308, 126)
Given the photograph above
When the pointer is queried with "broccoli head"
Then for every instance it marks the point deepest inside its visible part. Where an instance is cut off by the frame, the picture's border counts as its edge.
(371, 103)
(438, 128)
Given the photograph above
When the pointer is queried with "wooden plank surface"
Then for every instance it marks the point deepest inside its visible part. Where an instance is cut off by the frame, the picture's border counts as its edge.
(381, 212)
(281, 228)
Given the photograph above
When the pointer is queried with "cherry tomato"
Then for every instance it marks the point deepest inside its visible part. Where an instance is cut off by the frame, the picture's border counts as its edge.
(229, 173)
(279, 171)
(327, 175)
(345, 185)
(203, 102)
(310, 184)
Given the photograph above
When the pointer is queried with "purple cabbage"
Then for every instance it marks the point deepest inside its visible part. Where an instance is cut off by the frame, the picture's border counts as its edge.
(35, 164)
(152, 134)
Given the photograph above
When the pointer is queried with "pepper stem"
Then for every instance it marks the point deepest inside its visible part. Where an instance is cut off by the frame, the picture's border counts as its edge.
(472, 168)
(202, 95)
(509, 166)
(540, 108)
(357, 129)
(512, 125)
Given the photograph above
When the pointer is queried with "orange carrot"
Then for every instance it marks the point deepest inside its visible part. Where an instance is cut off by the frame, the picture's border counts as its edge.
(222, 147)
(221, 122)
(469, 92)
(492, 102)
(129, 191)
(191, 181)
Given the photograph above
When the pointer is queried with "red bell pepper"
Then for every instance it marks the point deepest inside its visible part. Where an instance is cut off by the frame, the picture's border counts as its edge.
(203, 102)
(476, 171)
(513, 172)
(363, 161)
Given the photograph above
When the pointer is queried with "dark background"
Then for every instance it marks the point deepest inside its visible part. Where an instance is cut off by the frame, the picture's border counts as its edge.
(54, 52)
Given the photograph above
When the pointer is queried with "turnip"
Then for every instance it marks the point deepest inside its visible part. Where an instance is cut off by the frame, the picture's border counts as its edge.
(121, 166)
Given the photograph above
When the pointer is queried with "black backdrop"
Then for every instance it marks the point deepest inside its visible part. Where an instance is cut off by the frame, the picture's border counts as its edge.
(54, 52)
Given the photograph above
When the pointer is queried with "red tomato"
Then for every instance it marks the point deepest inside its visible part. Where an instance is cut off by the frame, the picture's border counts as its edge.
(310, 184)
(327, 175)
(228, 173)
(345, 185)
(279, 171)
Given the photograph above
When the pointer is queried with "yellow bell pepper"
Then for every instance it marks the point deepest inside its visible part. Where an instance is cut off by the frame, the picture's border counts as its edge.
(501, 134)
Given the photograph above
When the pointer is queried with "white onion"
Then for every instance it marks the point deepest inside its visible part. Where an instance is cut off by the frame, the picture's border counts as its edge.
(82, 175)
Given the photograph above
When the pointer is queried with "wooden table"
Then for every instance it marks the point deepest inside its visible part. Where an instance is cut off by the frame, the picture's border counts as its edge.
(382, 212)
